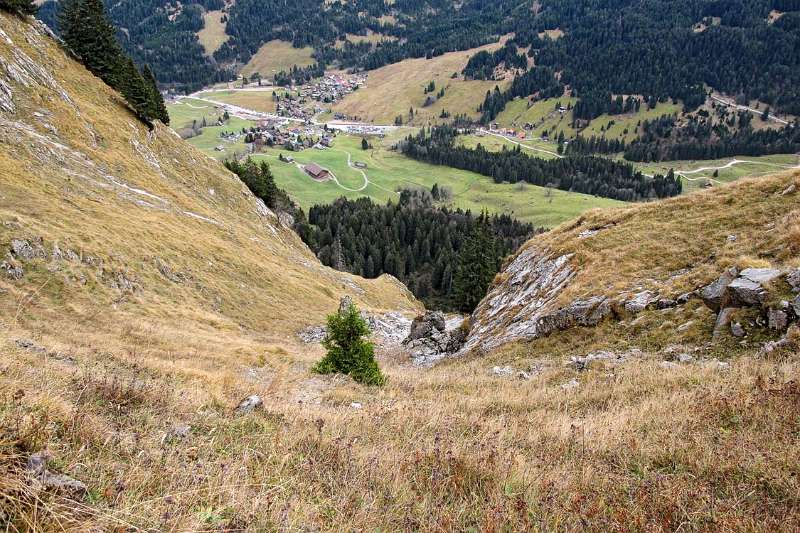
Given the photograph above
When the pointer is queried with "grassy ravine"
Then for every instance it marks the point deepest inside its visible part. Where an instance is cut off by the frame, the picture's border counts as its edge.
(633, 448)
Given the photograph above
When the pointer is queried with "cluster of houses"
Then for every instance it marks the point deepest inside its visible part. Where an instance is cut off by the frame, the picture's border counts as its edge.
(327, 90)
(294, 138)
(332, 87)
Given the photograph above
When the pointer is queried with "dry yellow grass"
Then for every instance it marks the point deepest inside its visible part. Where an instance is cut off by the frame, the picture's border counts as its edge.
(632, 448)
(213, 35)
(681, 243)
(394, 89)
(276, 56)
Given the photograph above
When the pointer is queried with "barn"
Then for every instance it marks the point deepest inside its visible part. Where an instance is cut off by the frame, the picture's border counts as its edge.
(316, 172)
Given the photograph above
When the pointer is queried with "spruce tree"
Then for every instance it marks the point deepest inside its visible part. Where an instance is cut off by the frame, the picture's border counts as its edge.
(136, 91)
(158, 108)
(477, 265)
(348, 351)
(20, 7)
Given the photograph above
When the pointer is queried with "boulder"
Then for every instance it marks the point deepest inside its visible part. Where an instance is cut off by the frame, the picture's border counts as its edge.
(743, 292)
(249, 404)
(589, 312)
(176, 433)
(37, 467)
(796, 306)
(714, 293)
(639, 302)
(12, 270)
(685, 297)
(723, 319)
(665, 303)
(502, 371)
(26, 251)
(749, 288)
(424, 325)
(737, 330)
(793, 278)
(778, 319)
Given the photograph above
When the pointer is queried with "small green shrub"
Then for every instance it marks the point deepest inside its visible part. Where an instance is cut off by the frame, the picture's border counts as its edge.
(348, 351)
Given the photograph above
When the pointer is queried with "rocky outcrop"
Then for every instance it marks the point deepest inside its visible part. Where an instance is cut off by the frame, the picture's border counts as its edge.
(386, 329)
(752, 288)
(521, 306)
(432, 338)
(713, 294)
(524, 304)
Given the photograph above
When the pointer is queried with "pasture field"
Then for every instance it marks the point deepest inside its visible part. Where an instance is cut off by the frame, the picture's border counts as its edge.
(697, 174)
(186, 110)
(213, 35)
(276, 56)
(257, 100)
(392, 90)
(388, 171)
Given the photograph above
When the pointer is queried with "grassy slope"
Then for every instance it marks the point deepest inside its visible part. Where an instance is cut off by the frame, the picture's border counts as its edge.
(631, 448)
(276, 56)
(213, 35)
(389, 171)
(391, 90)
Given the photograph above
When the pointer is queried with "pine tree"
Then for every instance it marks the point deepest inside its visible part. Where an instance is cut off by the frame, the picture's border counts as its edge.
(136, 91)
(20, 7)
(477, 265)
(158, 108)
(87, 31)
(348, 351)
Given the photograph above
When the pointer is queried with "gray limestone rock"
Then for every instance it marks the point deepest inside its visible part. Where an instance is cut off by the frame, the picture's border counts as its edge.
(639, 302)
(249, 404)
(27, 251)
(737, 330)
(37, 467)
(778, 319)
(714, 293)
(424, 325)
(723, 319)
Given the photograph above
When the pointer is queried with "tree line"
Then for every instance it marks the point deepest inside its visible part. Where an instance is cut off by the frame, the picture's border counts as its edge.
(447, 258)
(702, 138)
(88, 34)
(585, 174)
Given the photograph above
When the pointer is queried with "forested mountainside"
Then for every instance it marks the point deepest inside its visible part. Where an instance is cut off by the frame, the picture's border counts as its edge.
(658, 48)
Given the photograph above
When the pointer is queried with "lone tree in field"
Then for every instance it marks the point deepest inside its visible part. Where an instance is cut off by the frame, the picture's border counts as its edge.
(348, 351)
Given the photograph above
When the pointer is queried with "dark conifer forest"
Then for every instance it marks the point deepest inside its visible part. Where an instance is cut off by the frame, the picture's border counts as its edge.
(423, 245)
(658, 49)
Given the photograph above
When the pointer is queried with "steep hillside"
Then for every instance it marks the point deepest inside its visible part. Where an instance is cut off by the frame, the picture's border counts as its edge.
(653, 259)
(138, 221)
(392, 90)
